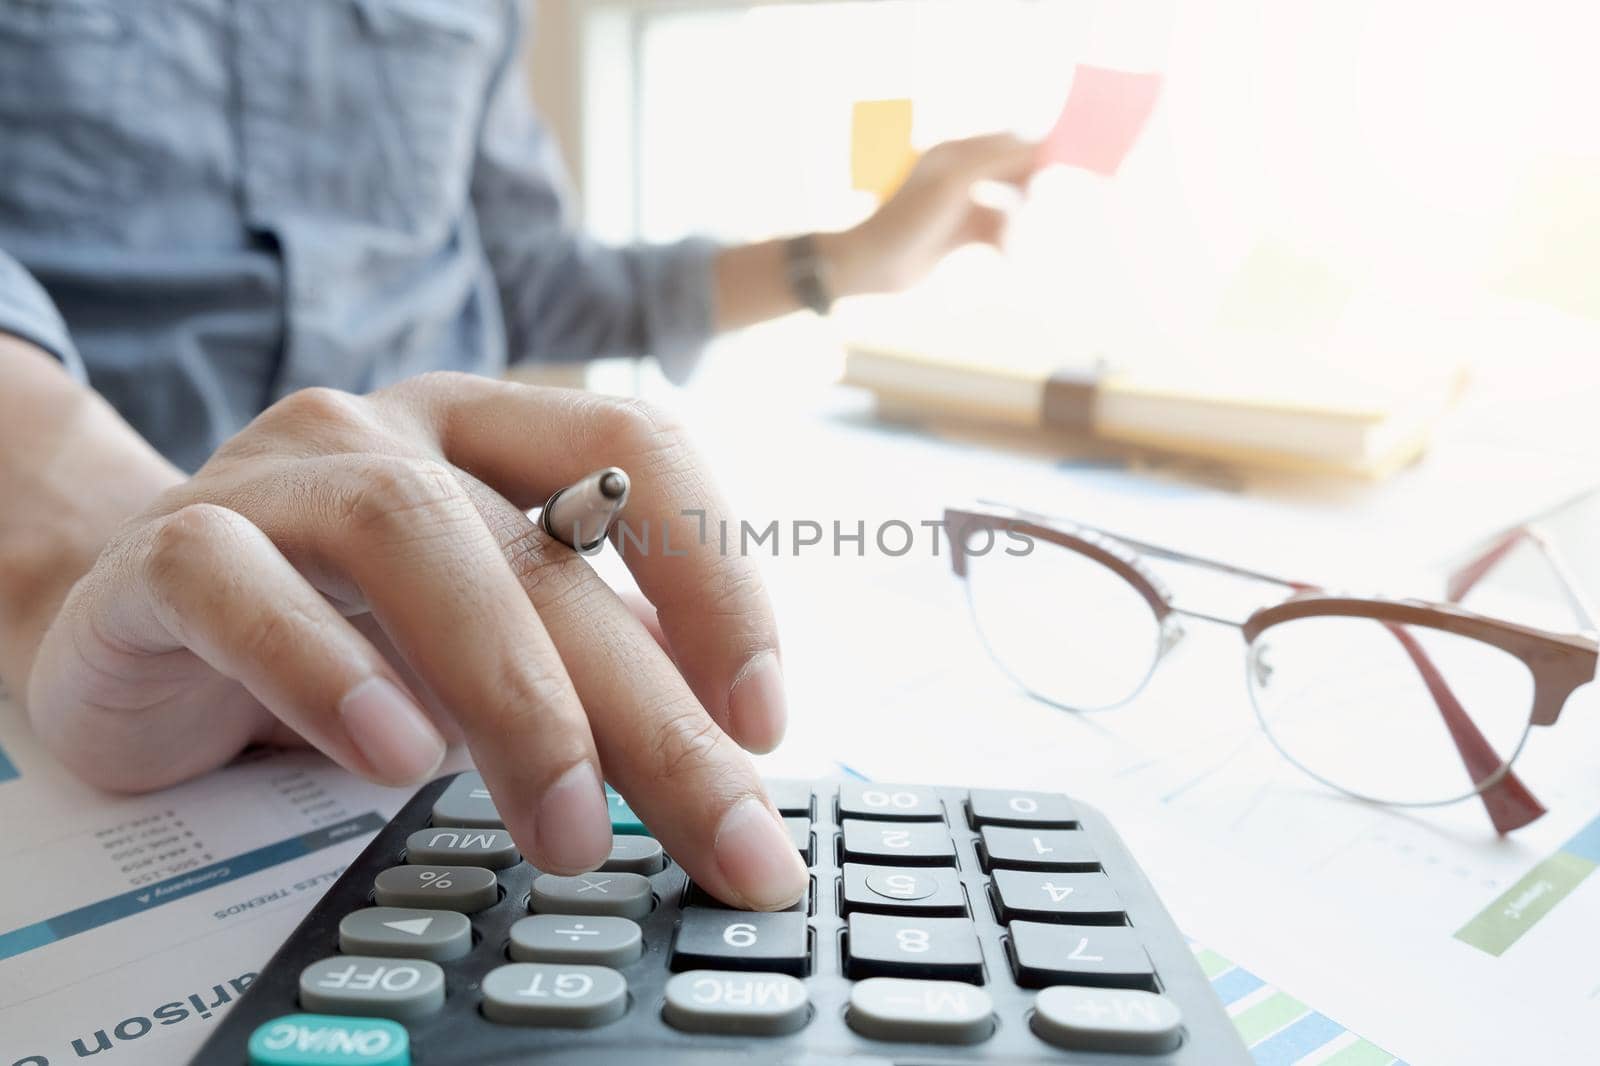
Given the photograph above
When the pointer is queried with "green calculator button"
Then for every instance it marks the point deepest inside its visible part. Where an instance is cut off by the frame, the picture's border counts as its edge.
(329, 1040)
(623, 821)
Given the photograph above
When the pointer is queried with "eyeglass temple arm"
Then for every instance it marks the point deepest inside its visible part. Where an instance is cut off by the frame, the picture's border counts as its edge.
(1464, 580)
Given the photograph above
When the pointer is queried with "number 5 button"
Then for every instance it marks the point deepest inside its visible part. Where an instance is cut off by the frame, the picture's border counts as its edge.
(773, 941)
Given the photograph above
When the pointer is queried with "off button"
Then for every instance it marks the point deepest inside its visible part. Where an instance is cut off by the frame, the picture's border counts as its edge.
(329, 1040)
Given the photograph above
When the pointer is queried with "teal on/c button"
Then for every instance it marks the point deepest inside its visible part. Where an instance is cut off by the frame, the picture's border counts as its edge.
(623, 820)
(329, 1040)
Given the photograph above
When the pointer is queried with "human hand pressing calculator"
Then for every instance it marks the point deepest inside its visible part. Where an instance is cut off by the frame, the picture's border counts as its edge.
(942, 925)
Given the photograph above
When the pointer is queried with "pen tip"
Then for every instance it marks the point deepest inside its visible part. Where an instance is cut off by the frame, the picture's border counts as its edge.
(613, 484)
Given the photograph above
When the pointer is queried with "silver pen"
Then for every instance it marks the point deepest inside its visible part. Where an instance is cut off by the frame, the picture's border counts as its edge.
(581, 514)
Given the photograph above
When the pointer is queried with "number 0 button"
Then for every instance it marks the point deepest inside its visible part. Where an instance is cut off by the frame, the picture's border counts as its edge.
(741, 940)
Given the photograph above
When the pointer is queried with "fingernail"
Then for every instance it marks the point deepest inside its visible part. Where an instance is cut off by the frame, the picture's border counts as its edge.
(757, 857)
(391, 731)
(574, 825)
(758, 709)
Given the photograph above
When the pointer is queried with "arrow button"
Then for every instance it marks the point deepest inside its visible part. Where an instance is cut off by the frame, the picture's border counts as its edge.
(406, 932)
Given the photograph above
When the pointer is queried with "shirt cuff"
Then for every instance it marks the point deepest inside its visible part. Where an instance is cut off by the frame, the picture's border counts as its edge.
(27, 311)
(679, 313)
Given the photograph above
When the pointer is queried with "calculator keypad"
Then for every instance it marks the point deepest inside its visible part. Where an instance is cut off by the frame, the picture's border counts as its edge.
(982, 920)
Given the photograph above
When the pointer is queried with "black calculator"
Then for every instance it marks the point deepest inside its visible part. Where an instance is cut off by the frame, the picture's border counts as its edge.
(942, 925)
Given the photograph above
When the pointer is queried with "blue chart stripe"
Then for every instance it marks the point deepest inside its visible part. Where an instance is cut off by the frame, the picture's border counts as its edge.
(126, 905)
(1235, 984)
(1294, 1042)
(8, 769)
(1586, 844)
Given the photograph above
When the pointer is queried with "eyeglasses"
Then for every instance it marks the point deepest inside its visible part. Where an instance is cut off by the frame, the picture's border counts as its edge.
(1402, 702)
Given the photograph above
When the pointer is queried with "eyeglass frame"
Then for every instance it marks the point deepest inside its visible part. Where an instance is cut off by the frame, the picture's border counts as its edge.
(1559, 663)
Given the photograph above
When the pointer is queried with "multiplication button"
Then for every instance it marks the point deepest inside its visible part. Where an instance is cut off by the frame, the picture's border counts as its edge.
(748, 1004)
(623, 895)
(467, 889)
(329, 1040)
(550, 994)
(1107, 1019)
(403, 989)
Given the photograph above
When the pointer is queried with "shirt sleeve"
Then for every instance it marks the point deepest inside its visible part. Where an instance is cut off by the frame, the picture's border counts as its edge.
(564, 295)
(27, 311)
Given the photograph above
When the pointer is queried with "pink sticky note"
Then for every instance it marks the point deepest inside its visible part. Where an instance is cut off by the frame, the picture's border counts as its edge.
(1102, 118)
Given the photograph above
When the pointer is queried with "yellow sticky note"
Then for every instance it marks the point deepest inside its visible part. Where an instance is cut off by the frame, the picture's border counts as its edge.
(1552, 253)
(1284, 292)
(880, 145)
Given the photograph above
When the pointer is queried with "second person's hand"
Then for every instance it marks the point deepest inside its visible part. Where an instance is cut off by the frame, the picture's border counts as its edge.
(360, 573)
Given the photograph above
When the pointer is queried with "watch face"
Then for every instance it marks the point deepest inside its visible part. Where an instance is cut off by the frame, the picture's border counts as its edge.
(805, 270)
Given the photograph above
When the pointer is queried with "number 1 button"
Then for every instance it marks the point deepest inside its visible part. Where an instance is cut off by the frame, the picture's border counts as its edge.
(708, 939)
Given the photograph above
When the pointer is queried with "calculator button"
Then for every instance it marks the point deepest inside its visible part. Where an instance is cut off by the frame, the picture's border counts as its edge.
(623, 895)
(864, 799)
(932, 1012)
(635, 855)
(883, 945)
(695, 896)
(911, 844)
(1037, 849)
(1057, 897)
(790, 797)
(490, 848)
(554, 994)
(1044, 810)
(594, 940)
(407, 932)
(465, 803)
(1110, 956)
(403, 989)
(458, 888)
(623, 821)
(799, 830)
(741, 940)
(1107, 1019)
(896, 890)
(748, 1004)
(329, 1040)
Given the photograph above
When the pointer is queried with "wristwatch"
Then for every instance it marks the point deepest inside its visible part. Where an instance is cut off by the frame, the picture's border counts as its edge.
(807, 271)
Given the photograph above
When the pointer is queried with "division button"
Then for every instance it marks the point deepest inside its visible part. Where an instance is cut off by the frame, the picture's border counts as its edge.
(403, 989)
(1085, 898)
(1106, 956)
(898, 844)
(490, 848)
(594, 940)
(933, 1012)
(1042, 810)
(329, 1040)
(622, 895)
(468, 889)
(931, 890)
(1037, 849)
(748, 1004)
(1107, 1019)
(866, 799)
(635, 855)
(741, 940)
(556, 995)
(406, 932)
(883, 945)
(465, 804)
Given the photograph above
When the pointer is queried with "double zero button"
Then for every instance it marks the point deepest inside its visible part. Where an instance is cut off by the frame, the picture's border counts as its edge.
(901, 803)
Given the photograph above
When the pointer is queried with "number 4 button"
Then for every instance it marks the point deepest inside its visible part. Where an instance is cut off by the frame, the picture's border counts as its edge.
(775, 942)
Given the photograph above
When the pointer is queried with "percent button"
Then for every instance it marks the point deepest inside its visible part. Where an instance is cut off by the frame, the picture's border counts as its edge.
(451, 888)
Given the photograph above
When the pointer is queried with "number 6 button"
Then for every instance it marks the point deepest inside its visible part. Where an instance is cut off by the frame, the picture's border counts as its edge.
(709, 939)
